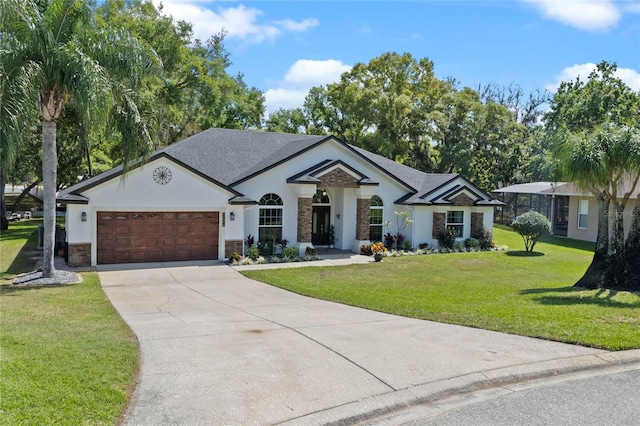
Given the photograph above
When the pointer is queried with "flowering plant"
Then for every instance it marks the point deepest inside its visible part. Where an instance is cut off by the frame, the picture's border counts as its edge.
(378, 248)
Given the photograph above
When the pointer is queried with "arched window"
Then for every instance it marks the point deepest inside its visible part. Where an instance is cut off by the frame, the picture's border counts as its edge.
(375, 219)
(270, 221)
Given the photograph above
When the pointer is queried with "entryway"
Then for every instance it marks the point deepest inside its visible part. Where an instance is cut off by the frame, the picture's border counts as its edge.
(321, 225)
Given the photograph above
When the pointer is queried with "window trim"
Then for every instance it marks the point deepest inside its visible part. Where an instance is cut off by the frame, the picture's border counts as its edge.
(448, 224)
(376, 225)
(585, 203)
(271, 201)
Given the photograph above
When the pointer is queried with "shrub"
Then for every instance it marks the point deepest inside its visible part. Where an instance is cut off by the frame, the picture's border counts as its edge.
(253, 253)
(472, 244)
(531, 226)
(310, 253)
(378, 248)
(290, 252)
(423, 246)
(266, 247)
(406, 245)
(235, 257)
(283, 244)
(366, 249)
(447, 238)
(250, 241)
(485, 238)
(393, 241)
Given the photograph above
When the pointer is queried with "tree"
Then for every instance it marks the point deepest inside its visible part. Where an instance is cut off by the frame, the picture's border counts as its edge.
(287, 121)
(382, 106)
(531, 226)
(195, 91)
(595, 126)
(15, 111)
(69, 61)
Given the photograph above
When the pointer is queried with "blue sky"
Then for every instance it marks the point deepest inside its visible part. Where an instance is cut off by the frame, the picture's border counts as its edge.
(286, 47)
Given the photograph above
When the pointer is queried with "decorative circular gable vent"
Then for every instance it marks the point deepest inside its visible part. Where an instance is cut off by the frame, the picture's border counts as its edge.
(162, 175)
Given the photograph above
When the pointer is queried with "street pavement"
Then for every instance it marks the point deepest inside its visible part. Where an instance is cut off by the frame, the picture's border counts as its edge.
(593, 398)
(220, 349)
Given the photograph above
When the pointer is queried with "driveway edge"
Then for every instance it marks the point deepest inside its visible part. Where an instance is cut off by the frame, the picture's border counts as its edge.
(380, 405)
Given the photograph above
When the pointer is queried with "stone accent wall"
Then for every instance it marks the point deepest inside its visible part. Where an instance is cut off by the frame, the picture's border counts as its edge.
(439, 219)
(363, 218)
(338, 178)
(476, 223)
(305, 211)
(463, 200)
(231, 246)
(79, 255)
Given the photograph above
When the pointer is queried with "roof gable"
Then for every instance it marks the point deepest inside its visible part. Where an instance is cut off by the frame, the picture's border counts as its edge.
(74, 194)
(335, 173)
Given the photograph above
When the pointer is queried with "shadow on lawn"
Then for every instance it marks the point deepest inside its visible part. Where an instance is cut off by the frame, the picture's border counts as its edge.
(568, 296)
(523, 253)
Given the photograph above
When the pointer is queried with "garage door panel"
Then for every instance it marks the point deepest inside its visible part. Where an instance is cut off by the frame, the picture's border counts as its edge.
(156, 236)
(138, 242)
(138, 256)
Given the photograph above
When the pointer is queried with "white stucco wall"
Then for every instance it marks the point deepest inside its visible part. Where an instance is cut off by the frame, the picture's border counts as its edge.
(343, 201)
(138, 192)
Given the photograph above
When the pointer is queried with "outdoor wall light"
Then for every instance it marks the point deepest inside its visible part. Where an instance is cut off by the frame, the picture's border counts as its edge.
(338, 216)
(232, 216)
(83, 216)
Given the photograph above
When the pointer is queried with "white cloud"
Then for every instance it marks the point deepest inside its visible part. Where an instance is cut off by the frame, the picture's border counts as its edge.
(313, 73)
(630, 76)
(587, 15)
(302, 76)
(284, 98)
(303, 25)
(245, 23)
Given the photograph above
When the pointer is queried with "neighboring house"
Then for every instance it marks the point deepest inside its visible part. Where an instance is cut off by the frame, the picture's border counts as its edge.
(200, 198)
(573, 212)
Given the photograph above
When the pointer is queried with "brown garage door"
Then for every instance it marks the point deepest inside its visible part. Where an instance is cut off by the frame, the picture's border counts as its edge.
(129, 237)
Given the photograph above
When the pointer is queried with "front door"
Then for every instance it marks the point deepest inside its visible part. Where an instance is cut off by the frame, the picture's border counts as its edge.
(320, 226)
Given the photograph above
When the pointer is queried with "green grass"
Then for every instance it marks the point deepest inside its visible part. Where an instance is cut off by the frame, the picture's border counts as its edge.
(67, 358)
(502, 291)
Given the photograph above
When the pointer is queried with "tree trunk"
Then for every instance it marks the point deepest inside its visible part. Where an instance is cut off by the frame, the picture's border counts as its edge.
(22, 195)
(4, 223)
(617, 239)
(632, 250)
(595, 275)
(49, 179)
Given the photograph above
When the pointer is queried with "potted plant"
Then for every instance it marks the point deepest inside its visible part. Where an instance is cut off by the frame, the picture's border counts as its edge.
(378, 250)
(332, 236)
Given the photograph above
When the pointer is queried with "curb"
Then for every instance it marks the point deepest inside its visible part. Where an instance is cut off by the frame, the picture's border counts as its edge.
(384, 404)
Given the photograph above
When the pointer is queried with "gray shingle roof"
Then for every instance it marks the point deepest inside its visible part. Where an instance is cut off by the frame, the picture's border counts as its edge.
(228, 157)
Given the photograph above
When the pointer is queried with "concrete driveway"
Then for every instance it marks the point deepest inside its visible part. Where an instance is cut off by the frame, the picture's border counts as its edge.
(218, 348)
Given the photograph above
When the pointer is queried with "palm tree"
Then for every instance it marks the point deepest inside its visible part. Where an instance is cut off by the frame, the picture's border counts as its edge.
(66, 59)
(602, 161)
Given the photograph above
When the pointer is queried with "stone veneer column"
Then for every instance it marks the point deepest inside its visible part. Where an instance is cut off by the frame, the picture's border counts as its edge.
(477, 223)
(231, 246)
(79, 255)
(363, 218)
(305, 211)
(439, 220)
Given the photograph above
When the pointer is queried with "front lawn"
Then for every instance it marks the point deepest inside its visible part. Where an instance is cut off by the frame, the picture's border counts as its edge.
(502, 291)
(67, 357)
